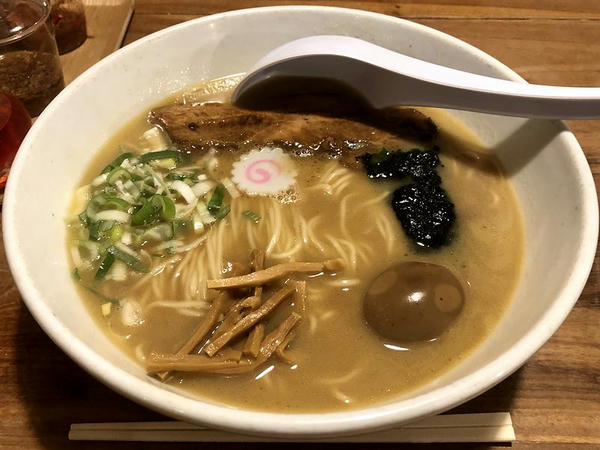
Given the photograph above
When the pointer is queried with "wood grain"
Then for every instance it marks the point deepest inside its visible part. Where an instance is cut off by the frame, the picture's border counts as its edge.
(472, 9)
(554, 398)
(561, 52)
(107, 22)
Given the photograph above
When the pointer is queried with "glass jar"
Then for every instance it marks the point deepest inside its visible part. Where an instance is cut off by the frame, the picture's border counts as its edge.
(14, 124)
(68, 18)
(29, 63)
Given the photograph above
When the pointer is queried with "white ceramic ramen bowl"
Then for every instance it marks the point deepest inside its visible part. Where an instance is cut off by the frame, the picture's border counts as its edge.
(548, 170)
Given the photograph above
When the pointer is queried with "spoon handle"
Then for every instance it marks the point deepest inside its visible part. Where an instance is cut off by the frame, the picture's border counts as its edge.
(429, 84)
(388, 78)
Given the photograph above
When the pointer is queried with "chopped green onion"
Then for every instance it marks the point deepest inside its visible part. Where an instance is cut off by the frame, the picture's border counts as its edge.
(117, 162)
(115, 232)
(131, 188)
(116, 202)
(118, 173)
(215, 203)
(162, 154)
(98, 230)
(93, 207)
(251, 215)
(165, 205)
(206, 217)
(167, 163)
(145, 215)
(176, 176)
(230, 187)
(161, 232)
(83, 218)
(184, 190)
(142, 198)
(149, 211)
(216, 199)
(128, 259)
(118, 272)
(222, 212)
(147, 192)
(105, 266)
(202, 188)
(104, 201)
(99, 180)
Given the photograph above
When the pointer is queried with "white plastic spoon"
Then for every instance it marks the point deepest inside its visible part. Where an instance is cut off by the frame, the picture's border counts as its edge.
(386, 78)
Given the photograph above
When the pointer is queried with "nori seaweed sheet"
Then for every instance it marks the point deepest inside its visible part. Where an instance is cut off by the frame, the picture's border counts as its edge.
(422, 206)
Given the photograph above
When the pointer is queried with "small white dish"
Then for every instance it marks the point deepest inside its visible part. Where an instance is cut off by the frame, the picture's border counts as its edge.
(547, 167)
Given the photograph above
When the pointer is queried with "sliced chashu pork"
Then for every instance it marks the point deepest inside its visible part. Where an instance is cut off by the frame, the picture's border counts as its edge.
(224, 126)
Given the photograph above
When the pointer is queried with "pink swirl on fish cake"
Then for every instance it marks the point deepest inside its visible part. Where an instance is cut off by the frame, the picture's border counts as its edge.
(267, 171)
(258, 171)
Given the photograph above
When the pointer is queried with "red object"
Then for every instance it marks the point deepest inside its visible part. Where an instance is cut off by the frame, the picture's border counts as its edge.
(14, 124)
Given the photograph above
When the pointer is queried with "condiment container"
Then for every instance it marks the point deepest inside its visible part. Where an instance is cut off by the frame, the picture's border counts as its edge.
(29, 63)
(68, 18)
(14, 124)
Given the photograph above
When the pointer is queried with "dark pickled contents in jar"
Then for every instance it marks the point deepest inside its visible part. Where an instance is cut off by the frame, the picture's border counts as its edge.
(68, 17)
(29, 64)
(413, 301)
(33, 77)
(14, 124)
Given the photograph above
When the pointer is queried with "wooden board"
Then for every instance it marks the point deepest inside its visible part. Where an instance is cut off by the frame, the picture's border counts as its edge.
(554, 399)
(107, 22)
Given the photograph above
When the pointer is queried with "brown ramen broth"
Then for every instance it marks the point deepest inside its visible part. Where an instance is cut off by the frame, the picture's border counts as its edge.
(332, 211)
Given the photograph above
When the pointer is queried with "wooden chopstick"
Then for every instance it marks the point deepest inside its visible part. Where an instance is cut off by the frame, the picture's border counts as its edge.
(486, 427)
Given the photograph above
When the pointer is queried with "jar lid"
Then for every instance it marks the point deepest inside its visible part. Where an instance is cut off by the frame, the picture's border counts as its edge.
(19, 18)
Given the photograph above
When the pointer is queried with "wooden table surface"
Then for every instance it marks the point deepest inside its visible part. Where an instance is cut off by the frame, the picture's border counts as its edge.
(554, 399)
